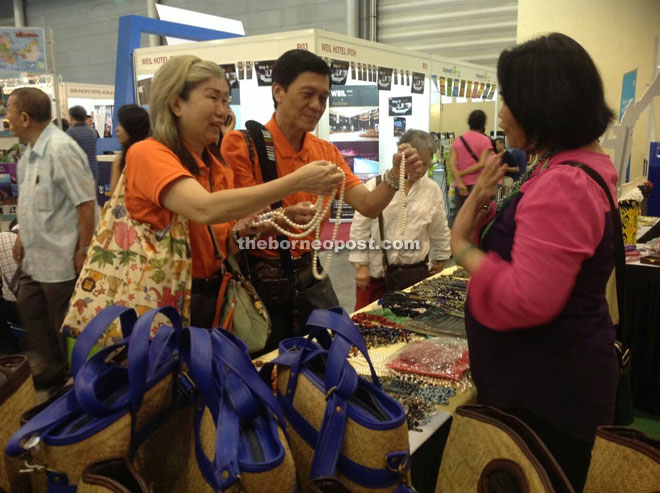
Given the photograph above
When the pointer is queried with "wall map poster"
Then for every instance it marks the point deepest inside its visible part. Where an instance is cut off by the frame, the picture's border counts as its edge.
(22, 50)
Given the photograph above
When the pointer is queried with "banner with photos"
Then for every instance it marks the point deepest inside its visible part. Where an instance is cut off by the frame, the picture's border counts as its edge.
(338, 72)
(384, 79)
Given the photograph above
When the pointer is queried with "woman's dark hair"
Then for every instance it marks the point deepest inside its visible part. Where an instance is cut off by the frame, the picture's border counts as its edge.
(477, 121)
(554, 91)
(135, 121)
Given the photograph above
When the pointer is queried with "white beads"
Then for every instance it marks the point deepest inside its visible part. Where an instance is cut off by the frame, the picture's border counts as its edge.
(314, 225)
(403, 199)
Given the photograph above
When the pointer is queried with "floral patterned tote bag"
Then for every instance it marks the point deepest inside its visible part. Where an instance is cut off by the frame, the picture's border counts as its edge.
(130, 263)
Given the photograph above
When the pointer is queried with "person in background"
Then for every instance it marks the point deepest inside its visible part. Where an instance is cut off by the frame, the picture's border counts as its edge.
(107, 131)
(519, 161)
(426, 221)
(84, 135)
(301, 88)
(56, 216)
(546, 354)
(89, 121)
(9, 277)
(175, 172)
(464, 159)
(507, 159)
(133, 126)
(65, 123)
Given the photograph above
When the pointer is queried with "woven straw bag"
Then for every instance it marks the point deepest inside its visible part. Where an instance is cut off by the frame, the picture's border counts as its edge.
(624, 460)
(340, 424)
(241, 444)
(486, 445)
(16, 396)
(113, 409)
(130, 263)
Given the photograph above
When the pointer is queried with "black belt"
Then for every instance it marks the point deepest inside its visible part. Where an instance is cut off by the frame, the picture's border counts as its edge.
(208, 285)
(301, 263)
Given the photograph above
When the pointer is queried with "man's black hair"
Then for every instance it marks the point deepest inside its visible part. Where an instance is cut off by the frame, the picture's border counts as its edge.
(291, 64)
(554, 91)
(477, 121)
(78, 113)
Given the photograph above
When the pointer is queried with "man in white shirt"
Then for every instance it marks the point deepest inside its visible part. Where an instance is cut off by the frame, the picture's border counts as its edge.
(56, 218)
(426, 222)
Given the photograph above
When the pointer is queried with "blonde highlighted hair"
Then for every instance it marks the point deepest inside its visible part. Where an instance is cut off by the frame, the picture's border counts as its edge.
(177, 77)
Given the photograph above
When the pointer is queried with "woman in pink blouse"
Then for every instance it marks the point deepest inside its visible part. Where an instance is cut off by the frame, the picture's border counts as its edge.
(540, 335)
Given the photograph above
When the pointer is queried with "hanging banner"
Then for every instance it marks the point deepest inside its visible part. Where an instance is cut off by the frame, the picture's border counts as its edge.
(417, 86)
(264, 72)
(384, 79)
(627, 90)
(338, 72)
(234, 85)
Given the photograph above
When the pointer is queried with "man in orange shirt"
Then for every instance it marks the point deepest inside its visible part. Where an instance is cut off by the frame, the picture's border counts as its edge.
(301, 87)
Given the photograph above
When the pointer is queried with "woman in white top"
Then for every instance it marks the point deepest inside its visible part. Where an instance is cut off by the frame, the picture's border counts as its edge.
(426, 222)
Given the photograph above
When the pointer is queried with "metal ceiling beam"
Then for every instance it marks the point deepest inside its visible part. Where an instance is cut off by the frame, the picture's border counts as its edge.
(462, 44)
(395, 21)
(401, 36)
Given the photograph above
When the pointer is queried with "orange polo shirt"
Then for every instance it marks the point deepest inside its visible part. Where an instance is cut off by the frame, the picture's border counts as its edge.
(150, 167)
(235, 151)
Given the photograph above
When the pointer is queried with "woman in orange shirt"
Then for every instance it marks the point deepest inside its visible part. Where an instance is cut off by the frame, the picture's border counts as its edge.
(174, 172)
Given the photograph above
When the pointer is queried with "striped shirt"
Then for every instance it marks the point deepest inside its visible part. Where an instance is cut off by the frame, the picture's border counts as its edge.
(86, 137)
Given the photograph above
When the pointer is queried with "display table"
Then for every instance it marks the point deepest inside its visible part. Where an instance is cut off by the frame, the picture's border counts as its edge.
(427, 444)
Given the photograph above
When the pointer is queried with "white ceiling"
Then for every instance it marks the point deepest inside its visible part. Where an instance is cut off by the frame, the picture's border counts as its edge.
(472, 30)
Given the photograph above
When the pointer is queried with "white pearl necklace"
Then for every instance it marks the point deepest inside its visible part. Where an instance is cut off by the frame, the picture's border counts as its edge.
(403, 199)
(313, 225)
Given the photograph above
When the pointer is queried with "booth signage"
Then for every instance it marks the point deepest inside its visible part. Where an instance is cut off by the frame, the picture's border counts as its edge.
(351, 96)
(90, 91)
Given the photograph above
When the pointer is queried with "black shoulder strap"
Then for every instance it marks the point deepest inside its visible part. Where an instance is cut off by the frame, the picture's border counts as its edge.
(474, 156)
(263, 143)
(619, 249)
(381, 228)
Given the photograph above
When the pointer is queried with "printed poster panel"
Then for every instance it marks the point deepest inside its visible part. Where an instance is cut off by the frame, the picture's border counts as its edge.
(264, 72)
(22, 50)
(338, 72)
(417, 86)
(384, 79)
(400, 106)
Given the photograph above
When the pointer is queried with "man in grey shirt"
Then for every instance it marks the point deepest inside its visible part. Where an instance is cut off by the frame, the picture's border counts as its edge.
(84, 135)
(56, 218)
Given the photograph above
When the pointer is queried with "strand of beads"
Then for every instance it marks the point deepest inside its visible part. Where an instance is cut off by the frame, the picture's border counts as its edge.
(322, 207)
(335, 229)
(403, 199)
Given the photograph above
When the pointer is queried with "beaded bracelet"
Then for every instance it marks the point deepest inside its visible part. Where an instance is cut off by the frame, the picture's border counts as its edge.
(389, 181)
